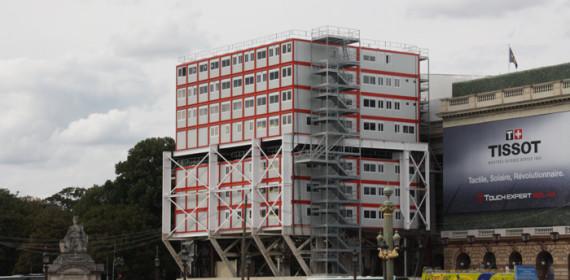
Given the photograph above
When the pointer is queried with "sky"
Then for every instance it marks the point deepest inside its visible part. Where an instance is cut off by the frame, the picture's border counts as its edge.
(82, 81)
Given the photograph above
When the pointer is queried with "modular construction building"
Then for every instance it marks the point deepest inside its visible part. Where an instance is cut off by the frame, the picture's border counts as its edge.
(506, 172)
(284, 145)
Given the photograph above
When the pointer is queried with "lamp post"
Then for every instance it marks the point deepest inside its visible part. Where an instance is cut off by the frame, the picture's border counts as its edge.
(354, 263)
(388, 245)
(184, 258)
(156, 265)
(45, 261)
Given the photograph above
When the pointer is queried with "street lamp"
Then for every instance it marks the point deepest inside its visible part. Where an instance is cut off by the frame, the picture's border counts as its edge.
(554, 236)
(354, 263)
(525, 237)
(388, 245)
(45, 261)
(156, 265)
(184, 257)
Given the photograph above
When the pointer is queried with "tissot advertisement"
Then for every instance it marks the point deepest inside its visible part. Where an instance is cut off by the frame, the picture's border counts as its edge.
(505, 165)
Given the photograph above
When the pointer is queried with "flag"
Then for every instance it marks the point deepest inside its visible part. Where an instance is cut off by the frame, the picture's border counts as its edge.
(512, 58)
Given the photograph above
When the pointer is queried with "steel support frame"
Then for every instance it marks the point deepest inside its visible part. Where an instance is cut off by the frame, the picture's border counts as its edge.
(214, 199)
(421, 175)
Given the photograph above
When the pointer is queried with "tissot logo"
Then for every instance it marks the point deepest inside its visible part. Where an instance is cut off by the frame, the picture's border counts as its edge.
(514, 134)
(516, 148)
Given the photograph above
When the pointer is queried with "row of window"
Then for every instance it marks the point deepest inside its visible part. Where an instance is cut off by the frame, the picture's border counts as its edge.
(237, 59)
(375, 214)
(378, 80)
(372, 191)
(286, 120)
(372, 58)
(379, 126)
(406, 129)
(382, 104)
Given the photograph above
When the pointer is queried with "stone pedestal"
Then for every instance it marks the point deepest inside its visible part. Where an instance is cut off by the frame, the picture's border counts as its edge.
(75, 267)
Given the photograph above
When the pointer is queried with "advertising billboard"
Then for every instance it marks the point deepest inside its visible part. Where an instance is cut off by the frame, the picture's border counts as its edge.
(510, 164)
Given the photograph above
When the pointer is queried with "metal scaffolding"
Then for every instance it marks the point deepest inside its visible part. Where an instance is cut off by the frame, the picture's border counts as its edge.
(335, 235)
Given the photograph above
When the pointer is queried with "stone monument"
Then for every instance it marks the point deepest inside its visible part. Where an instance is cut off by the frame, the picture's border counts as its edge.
(73, 262)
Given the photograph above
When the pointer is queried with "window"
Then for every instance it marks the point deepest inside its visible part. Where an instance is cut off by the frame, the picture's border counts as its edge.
(237, 105)
(369, 167)
(388, 104)
(286, 48)
(261, 123)
(371, 80)
(380, 104)
(214, 109)
(286, 72)
(369, 190)
(226, 85)
(225, 107)
(226, 62)
(370, 214)
(347, 213)
(247, 57)
(274, 75)
(286, 119)
(249, 80)
(273, 98)
(397, 192)
(203, 111)
(214, 131)
(388, 59)
(203, 67)
(381, 168)
(286, 96)
(369, 103)
(191, 70)
(261, 77)
(261, 54)
(214, 65)
(238, 126)
(249, 103)
(397, 82)
(251, 56)
(308, 211)
(214, 86)
(274, 122)
(408, 129)
(369, 126)
(398, 216)
(396, 105)
(203, 89)
(181, 72)
(237, 82)
(380, 81)
(388, 82)
(380, 127)
(261, 100)
(236, 59)
(369, 58)
(397, 169)
(397, 128)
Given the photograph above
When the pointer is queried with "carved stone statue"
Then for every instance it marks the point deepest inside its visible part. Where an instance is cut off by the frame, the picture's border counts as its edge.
(75, 241)
(73, 261)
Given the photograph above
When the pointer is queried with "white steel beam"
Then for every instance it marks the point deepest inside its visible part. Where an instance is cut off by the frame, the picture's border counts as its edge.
(212, 187)
(405, 187)
(166, 188)
(256, 177)
(286, 183)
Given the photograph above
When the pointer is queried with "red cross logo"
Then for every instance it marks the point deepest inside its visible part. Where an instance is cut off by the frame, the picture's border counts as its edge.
(518, 134)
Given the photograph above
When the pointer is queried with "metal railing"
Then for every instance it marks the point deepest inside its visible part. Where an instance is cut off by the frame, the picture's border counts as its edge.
(306, 35)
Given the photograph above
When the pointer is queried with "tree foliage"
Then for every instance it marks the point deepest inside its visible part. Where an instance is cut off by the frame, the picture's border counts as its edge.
(122, 218)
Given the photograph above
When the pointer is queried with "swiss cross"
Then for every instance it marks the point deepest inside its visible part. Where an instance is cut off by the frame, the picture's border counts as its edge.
(518, 133)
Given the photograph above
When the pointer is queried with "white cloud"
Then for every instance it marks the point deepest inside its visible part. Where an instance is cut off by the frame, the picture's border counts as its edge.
(82, 81)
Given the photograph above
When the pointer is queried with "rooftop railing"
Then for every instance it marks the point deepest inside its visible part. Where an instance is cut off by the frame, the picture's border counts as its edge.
(306, 35)
(506, 96)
